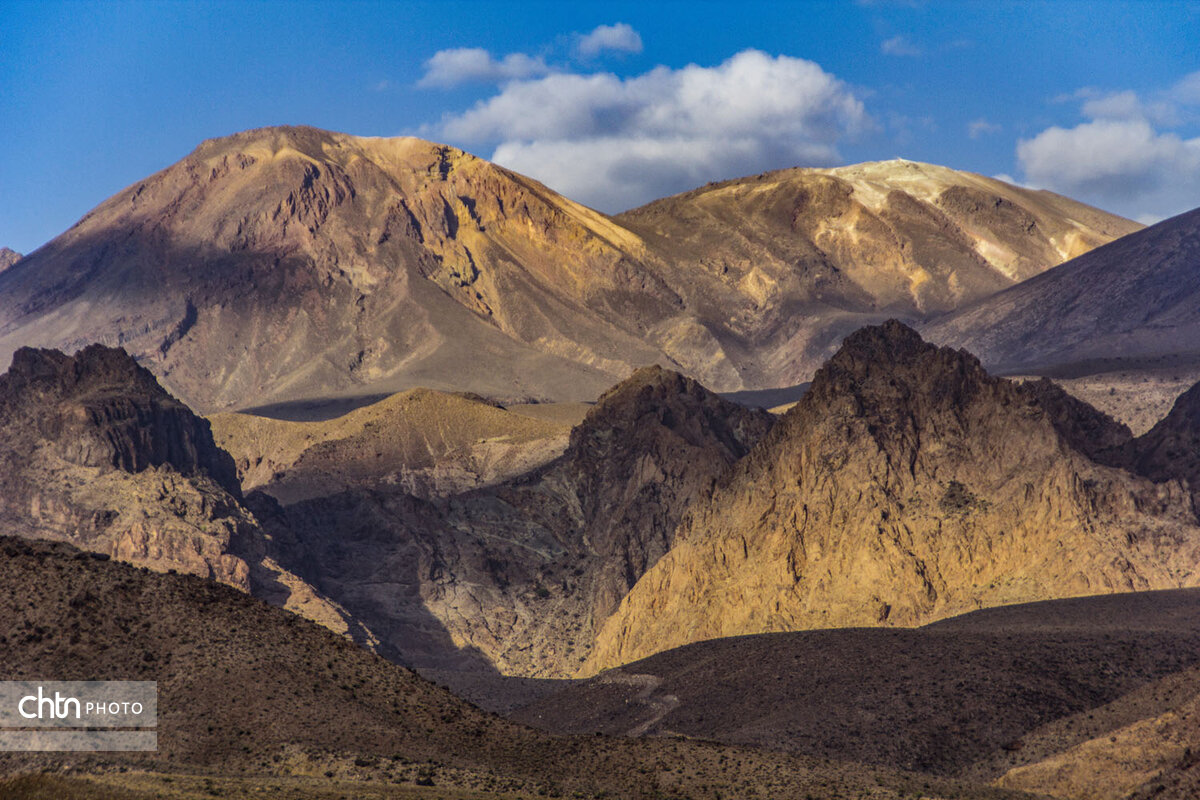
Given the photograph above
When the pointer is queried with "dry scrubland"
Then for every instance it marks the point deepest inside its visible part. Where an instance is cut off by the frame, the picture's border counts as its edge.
(247, 692)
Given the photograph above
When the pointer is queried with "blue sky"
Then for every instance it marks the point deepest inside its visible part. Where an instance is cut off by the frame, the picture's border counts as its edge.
(610, 103)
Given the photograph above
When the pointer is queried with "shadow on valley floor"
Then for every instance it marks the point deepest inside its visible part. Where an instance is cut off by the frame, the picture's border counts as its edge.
(366, 550)
(934, 699)
(767, 398)
(318, 409)
(1095, 366)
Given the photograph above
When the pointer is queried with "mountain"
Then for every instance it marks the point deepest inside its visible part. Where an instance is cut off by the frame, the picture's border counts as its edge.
(846, 246)
(8, 258)
(95, 453)
(253, 701)
(517, 576)
(906, 486)
(945, 698)
(429, 443)
(292, 264)
(1131, 303)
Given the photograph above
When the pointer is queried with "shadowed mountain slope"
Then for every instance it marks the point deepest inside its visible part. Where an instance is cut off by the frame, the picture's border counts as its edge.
(519, 575)
(290, 264)
(94, 452)
(907, 485)
(1129, 303)
(249, 690)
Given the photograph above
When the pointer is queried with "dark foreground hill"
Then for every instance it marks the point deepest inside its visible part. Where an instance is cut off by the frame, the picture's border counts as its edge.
(939, 698)
(251, 691)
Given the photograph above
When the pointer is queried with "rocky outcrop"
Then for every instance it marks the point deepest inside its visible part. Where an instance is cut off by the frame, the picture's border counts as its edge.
(99, 408)
(95, 453)
(907, 485)
(8, 258)
(652, 445)
(1171, 449)
(1086, 429)
(518, 576)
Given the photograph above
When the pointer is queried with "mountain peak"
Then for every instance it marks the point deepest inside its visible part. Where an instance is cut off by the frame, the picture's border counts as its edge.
(290, 263)
(8, 257)
(100, 408)
(653, 399)
(907, 485)
(889, 342)
(889, 366)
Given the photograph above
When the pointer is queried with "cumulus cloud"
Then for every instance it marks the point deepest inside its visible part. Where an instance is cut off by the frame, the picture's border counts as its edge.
(616, 142)
(448, 68)
(619, 37)
(1125, 157)
(899, 46)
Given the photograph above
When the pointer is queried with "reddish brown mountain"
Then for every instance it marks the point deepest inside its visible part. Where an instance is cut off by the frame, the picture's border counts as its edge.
(286, 264)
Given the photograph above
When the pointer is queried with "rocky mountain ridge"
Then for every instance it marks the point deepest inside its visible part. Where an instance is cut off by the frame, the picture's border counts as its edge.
(93, 450)
(8, 257)
(906, 486)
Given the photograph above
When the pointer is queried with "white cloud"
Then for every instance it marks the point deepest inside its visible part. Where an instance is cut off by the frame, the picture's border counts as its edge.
(616, 142)
(1124, 165)
(619, 37)
(1187, 90)
(899, 46)
(981, 127)
(1134, 154)
(460, 65)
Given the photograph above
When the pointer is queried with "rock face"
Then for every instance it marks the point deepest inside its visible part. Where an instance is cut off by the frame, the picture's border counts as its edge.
(94, 452)
(8, 258)
(907, 485)
(1135, 298)
(517, 576)
(292, 263)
